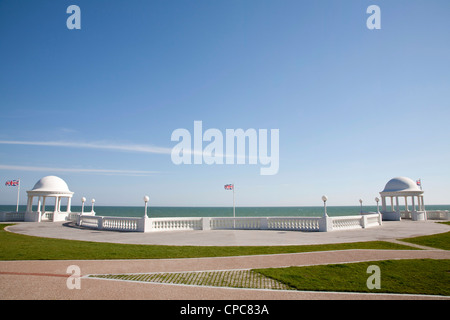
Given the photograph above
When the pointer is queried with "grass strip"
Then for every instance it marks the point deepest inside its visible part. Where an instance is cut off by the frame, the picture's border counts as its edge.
(412, 276)
(23, 247)
(439, 241)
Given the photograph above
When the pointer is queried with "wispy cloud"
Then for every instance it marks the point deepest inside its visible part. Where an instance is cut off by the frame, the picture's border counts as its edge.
(79, 170)
(93, 145)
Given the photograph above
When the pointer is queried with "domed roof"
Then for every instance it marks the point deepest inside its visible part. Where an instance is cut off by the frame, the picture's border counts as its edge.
(51, 184)
(401, 184)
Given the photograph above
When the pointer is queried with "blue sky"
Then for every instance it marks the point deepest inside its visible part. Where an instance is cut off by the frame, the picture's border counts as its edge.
(97, 106)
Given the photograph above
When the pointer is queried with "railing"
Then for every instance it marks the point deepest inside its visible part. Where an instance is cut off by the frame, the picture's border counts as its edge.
(109, 223)
(173, 224)
(224, 223)
(438, 215)
(294, 223)
(242, 223)
(120, 224)
(90, 222)
(47, 216)
(347, 222)
(373, 220)
(12, 216)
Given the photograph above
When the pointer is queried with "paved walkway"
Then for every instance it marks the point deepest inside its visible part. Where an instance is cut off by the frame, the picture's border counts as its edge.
(48, 279)
(389, 230)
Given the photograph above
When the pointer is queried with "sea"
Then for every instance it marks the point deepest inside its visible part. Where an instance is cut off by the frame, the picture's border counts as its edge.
(160, 212)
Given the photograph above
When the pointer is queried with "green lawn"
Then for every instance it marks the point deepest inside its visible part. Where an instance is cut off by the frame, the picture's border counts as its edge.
(440, 241)
(424, 276)
(22, 247)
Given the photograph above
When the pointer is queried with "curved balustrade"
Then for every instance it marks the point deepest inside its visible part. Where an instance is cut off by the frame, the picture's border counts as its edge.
(172, 224)
(347, 223)
(294, 223)
(223, 223)
(120, 224)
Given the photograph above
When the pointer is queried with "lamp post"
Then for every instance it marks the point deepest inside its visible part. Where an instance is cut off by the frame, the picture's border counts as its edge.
(378, 207)
(146, 198)
(360, 201)
(324, 199)
(83, 200)
(92, 209)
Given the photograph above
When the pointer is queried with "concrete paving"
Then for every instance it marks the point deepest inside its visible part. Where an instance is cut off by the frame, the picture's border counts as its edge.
(48, 279)
(389, 230)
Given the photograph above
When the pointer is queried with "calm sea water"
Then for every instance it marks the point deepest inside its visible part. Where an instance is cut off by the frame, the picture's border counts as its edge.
(156, 212)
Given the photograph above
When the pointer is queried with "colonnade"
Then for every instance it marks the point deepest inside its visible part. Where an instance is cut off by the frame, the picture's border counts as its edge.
(42, 201)
(396, 208)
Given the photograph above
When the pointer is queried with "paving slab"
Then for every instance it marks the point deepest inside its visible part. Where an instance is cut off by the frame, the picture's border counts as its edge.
(389, 230)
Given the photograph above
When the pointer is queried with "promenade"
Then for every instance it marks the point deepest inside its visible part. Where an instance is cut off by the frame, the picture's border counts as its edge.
(389, 230)
(47, 279)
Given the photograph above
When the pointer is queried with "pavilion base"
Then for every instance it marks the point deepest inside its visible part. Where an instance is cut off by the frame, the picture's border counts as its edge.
(45, 216)
(418, 215)
(31, 217)
(391, 216)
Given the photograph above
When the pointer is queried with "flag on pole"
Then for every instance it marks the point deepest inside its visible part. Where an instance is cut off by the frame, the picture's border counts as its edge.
(15, 183)
(12, 183)
(229, 187)
(419, 183)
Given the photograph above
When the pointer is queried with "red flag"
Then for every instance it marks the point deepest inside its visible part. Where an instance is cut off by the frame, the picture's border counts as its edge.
(229, 187)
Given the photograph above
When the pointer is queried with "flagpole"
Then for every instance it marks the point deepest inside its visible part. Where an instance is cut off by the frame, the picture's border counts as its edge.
(18, 192)
(234, 211)
(234, 208)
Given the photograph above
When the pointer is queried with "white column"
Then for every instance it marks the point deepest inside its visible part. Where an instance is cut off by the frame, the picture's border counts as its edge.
(43, 204)
(406, 204)
(383, 203)
(413, 204)
(69, 202)
(56, 204)
(29, 203)
(39, 204)
(392, 203)
(396, 202)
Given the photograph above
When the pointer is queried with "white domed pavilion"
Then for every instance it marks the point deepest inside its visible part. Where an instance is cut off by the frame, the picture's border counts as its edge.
(48, 187)
(402, 188)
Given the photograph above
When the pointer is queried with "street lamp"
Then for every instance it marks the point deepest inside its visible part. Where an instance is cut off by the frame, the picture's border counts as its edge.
(324, 199)
(377, 200)
(360, 201)
(83, 200)
(92, 209)
(146, 198)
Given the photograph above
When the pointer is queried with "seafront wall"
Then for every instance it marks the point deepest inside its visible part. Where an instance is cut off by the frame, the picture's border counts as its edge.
(144, 224)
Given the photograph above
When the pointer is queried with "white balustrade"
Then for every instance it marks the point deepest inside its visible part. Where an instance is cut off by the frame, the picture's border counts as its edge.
(347, 222)
(294, 223)
(223, 223)
(12, 216)
(438, 215)
(173, 224)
